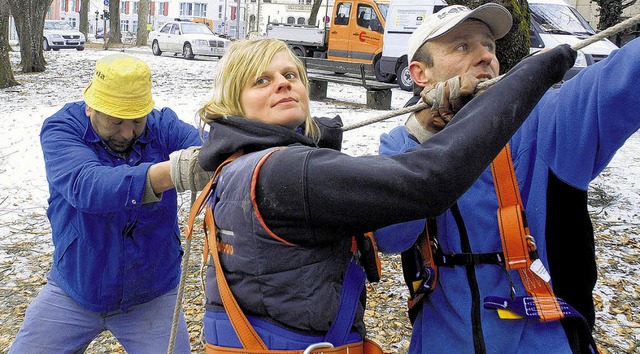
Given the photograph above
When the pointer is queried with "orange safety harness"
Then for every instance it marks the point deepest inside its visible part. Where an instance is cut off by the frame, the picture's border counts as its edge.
(249, 338)
(519, 253)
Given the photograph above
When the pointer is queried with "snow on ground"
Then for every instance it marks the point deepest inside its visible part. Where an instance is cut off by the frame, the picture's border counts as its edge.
(184, 85)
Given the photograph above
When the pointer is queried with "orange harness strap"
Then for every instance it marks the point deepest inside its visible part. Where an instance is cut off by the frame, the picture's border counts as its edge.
(249, 338)
(245, 332)
(517, 243)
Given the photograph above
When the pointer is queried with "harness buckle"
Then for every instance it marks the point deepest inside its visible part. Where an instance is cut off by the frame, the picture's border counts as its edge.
(315, 346)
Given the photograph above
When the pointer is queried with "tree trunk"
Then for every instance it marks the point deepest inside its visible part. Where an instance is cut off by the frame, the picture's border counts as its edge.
(29, 16)
(313, 16)
(143, 14)
(515, 45)
(84, 18)
(115, 36)
(6, 72)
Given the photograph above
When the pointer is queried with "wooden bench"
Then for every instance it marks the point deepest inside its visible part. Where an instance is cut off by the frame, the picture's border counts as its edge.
(321, 71)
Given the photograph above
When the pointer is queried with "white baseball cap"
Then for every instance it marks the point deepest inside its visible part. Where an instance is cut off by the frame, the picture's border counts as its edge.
(495, 16)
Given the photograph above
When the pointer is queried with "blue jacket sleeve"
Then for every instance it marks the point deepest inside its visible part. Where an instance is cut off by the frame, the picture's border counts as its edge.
(398, 237)
(83, 172)
(583, 124)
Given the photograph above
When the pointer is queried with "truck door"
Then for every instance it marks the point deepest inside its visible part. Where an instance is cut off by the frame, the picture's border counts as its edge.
(338, 48)
(365, 41)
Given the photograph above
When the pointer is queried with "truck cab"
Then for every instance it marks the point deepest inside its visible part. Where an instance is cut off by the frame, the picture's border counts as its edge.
(357, 31)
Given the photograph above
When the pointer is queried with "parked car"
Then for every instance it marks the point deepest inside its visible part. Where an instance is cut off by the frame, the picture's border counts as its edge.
(188, 38)
(100, 33)
(60, 35)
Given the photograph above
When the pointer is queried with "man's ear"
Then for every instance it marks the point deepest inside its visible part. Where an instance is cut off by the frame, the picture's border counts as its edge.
(419, 73)
(88, 110)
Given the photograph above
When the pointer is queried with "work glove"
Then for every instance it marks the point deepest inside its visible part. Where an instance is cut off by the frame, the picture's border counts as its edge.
(186, 173)
(447, 98)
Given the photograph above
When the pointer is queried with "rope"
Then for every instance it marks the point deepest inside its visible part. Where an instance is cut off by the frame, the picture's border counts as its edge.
(183, 277)
(485, 84)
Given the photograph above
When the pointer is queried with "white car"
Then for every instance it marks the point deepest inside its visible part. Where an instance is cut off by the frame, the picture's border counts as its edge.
(60, 35)
(188, 38)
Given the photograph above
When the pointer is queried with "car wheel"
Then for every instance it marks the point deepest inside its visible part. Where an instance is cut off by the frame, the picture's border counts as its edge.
(187, 52)
(403, 78)
(45, 45)
(155, 48)
(380, 76)
(79, 49)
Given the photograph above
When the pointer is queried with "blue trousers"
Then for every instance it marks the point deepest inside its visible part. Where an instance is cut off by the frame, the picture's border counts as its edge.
(54, 323)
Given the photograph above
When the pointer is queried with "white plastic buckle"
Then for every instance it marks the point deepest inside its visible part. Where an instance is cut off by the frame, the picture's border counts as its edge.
(315, 346)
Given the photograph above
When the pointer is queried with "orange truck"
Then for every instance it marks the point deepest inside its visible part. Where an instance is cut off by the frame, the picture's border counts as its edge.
(355, 35)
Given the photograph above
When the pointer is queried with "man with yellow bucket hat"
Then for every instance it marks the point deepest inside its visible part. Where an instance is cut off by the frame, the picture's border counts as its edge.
(114, 164)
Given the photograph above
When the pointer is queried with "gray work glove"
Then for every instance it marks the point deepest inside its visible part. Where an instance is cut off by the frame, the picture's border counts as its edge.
(448, 97)
(186, 173)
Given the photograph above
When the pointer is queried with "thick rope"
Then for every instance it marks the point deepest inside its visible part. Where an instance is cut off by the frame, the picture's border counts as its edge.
(183, 277)
(485, 84)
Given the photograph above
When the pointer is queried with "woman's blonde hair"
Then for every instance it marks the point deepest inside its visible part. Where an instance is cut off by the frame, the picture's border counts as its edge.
(244, 62)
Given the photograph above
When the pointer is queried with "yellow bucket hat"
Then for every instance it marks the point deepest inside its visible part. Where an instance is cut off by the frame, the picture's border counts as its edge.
(121, 87)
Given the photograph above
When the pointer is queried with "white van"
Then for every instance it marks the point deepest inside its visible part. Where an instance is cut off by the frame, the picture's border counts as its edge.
(553, 22)
(403, 17)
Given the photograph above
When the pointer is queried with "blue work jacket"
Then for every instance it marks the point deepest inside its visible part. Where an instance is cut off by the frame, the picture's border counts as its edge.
(111, 250)
(570, 136)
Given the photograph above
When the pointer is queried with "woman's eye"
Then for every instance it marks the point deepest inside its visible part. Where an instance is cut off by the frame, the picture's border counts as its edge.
(261, 81)
(290, 76)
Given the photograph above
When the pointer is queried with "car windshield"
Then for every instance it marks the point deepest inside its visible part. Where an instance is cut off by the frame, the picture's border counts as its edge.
(195, 28)
(559, 19)
(383, 10)
(57, 25)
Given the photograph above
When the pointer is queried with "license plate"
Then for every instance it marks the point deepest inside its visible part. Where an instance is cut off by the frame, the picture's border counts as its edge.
(72, 43)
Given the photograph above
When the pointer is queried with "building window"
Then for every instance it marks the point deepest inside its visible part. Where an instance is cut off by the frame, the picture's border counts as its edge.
(135, 8)
(134, 28)
(301, 21)
(186, 9)
(291, 20)
(124, 26)
(123, 7)
(200, 10)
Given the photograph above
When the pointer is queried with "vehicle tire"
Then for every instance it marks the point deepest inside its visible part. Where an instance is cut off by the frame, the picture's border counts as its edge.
(155, 48)
(298, 51)
(45, 45)
(403, 78)
(380, 76)
(79, 49)
(187, 52)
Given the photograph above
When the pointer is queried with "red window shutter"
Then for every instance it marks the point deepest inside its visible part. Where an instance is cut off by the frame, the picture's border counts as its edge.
(165, 12)
(126, 7)
(233, 13)
(77, 5)
(66, 5)
(152, 8)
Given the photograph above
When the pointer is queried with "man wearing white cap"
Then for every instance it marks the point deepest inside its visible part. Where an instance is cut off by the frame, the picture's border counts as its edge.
(476, 303)
(112, 163)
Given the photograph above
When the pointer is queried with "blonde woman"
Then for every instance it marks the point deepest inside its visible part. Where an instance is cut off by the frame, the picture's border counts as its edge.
(287, 209)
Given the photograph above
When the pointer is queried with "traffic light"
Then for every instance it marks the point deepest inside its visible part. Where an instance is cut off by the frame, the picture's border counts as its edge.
(106, 14)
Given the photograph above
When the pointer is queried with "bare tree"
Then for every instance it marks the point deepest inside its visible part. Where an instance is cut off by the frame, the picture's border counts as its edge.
(6, 73)
(515, 45)
(611, 14)
(115, 36)
(313, 17)
(143, 14)
(84, 17)
(29, 16)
